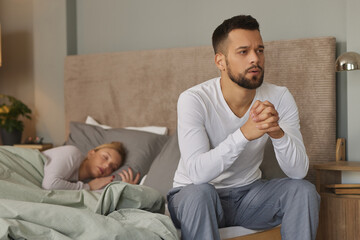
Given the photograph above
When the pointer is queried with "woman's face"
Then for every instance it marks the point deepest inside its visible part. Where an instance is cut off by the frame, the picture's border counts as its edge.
(103, 162)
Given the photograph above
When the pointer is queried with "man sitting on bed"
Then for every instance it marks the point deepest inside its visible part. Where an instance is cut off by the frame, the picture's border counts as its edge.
(223, 125)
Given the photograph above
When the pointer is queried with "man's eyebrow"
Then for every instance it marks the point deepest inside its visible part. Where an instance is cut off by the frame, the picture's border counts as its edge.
(242, 47)
(246, 47)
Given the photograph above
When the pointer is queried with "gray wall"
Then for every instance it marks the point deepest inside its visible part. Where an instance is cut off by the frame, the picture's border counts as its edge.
(50, 49)
(113, 25)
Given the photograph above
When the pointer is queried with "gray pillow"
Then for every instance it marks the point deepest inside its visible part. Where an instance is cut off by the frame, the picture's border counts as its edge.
(162, 170)
(141, 147)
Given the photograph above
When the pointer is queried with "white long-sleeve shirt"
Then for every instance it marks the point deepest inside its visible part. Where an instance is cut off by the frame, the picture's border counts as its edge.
(213, 148)
(61, 170)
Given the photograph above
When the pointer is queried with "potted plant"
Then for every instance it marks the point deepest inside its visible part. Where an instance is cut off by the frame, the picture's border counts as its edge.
(10, 111)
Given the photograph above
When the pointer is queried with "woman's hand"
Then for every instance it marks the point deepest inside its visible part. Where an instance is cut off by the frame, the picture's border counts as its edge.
(101, 182)
(128, 176)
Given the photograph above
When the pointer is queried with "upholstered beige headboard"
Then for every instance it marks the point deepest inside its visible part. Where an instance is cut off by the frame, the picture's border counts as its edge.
(141, 88)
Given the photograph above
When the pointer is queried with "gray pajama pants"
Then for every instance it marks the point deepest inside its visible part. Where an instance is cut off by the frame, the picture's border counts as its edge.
(199, 210)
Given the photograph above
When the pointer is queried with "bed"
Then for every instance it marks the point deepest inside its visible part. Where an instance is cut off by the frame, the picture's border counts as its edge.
(131, 97)
(120, 211)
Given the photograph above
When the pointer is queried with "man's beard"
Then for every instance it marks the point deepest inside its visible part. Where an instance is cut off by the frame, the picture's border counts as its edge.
(245, 82)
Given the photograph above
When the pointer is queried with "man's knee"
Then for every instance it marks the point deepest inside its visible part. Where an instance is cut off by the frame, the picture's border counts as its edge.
(190, 193)
(202, 197)
(190, 197)
(304, 189)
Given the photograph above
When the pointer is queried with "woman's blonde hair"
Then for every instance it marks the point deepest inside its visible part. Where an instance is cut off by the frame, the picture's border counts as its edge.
(118, 146)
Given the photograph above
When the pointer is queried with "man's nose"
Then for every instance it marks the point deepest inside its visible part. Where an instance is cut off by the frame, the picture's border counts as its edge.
(254, 57)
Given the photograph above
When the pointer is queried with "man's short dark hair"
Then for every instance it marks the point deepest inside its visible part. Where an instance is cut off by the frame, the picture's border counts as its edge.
(222, 31)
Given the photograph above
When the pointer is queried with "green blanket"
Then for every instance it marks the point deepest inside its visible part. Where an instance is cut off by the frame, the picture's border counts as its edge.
(121, 211)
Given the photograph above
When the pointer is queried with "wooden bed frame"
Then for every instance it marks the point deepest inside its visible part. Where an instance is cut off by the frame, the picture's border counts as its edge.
(141, 88)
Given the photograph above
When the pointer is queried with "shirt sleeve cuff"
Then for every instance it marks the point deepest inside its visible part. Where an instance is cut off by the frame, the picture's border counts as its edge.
(280, 141)
(239, 137)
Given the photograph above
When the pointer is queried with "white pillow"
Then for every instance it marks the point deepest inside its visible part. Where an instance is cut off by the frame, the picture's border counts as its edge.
(91, 121)
(151, 129)
(143, 180)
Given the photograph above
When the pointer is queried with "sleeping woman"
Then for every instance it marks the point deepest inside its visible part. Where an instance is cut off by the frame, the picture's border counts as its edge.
(67, 168)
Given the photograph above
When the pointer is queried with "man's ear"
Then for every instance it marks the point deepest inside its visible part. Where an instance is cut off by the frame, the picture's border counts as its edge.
(220, 61)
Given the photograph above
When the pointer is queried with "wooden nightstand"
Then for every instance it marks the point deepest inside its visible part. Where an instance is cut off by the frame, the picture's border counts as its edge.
(40, 147)
(339, 213)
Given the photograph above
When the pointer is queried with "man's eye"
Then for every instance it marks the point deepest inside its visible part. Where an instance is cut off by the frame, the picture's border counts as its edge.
(261, 51)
